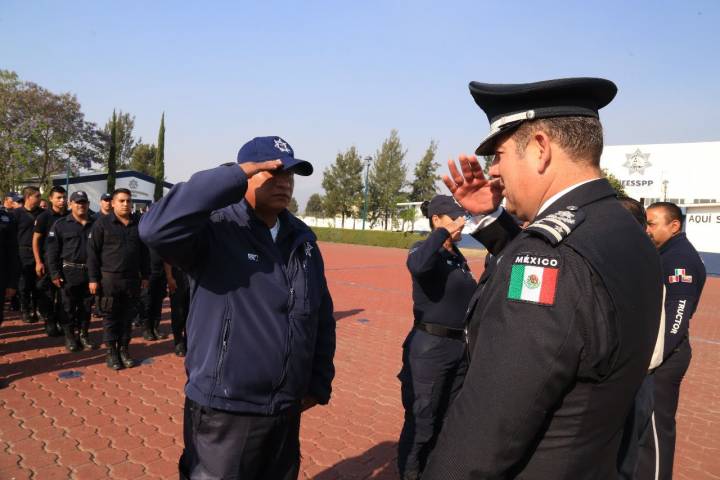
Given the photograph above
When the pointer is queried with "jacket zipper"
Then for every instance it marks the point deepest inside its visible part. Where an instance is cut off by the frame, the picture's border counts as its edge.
(223, 349)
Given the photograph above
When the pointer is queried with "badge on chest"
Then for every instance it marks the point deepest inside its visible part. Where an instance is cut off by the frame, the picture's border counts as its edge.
(533, 279)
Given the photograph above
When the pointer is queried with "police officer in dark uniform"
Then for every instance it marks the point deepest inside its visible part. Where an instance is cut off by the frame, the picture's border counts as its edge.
(118, 269)
(105, 204)
(25, 217)
(67, 267)
(152, 298)
(178, 284)
(49, 299)
(684, 277)
(559, 334)
(9, 259)
(434, 357)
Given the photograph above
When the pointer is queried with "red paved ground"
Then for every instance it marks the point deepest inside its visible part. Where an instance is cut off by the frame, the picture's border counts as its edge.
(129, 424)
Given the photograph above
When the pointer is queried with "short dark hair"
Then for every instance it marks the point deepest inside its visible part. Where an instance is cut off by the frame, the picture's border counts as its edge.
(635, 208)
(672, 211)
(29, 191)
(57, 189)
(121, 190)
(424, 210)
(580, 137)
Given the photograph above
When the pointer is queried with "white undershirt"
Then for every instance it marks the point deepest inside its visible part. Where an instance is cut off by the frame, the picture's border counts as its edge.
(275, 229)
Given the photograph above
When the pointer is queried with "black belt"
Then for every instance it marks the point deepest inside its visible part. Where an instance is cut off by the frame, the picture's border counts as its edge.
(441, 331)
(74, 265)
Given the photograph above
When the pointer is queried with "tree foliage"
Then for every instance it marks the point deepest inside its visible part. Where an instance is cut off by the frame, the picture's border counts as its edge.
(424, 185)
(125, 143)
(42, 133)
(160, 161)
(112, 154)
(386, 181)
(314, 206)
(143, 158)
(615, 183)
(343, 185)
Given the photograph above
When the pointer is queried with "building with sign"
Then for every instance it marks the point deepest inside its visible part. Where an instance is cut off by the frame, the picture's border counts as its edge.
(683, 173)
(94, 184)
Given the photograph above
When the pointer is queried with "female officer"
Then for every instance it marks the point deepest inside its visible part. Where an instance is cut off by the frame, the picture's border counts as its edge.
(434, 360)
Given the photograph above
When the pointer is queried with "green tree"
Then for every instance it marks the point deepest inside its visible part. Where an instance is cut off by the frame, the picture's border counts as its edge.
(314, 206)
(112, 154)
(615, 183)
(160, 161)
(386, 181)
(42, 133)
(143, 158)
(125, 143)
(343, 185)
(423, 187)
(293, 206)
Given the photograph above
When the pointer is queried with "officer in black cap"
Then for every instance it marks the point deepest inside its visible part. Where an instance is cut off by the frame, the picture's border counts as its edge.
(434, 359)
(560, 337)
(105, 204)
(67, 265)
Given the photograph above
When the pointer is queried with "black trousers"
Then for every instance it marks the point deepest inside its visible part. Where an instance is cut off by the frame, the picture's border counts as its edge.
(179, 307)
(234, 446)
(27, 289)
(638, 429)
(77, 304)
(119, 300)
(49, 301)
(2, 303)
(667, 378)
(433, 372)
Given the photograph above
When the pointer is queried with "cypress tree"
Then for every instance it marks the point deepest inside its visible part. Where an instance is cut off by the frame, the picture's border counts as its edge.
(112, 157)
(160, 161)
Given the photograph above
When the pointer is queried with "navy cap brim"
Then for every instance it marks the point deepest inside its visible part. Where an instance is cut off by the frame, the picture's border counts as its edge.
(295, 165)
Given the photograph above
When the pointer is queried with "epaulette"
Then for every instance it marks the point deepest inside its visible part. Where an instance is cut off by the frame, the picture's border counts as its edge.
(557, 226)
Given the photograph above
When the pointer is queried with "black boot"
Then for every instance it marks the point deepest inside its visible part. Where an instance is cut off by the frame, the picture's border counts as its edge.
(113, 359)
(125, 356)
(51, 327)
(85, 337)
(71, 341)
(27, 317)
(180, 349)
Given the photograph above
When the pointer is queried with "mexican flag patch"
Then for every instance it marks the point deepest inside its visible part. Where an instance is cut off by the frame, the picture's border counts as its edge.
(680, 276)
(534, 279)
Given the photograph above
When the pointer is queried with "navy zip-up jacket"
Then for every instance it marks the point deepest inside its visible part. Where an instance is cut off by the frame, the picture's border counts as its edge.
(261, 332)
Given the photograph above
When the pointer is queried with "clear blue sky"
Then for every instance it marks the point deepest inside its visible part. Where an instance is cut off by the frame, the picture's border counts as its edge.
(328, 75)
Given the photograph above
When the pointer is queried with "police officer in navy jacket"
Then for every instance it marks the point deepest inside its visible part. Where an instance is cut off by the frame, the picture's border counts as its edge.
(684, 277)
(560, 332)
(260, 332)
(434, 357)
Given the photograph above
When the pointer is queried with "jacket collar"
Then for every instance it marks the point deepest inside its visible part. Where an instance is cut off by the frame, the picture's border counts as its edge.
(577, 198)
(290, 226)
(674, 240)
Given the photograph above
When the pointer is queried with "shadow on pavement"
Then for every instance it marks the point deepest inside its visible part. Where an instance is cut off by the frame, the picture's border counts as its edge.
(339, 315)
(378, 463)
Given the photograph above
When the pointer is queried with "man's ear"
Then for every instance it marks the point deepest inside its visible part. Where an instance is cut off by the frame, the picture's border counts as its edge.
(675, 226)
(543, 150)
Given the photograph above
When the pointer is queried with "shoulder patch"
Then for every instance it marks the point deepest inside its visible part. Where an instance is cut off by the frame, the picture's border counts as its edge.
(557, 226)
(680, 276)
(533, 278)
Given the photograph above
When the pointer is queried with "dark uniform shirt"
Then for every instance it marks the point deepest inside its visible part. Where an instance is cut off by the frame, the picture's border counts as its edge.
(67, 242)
(9, 260)
(684, 276)
(560, 340)
(116, 248)
(442, 282)
(25, 220)
(43, 224)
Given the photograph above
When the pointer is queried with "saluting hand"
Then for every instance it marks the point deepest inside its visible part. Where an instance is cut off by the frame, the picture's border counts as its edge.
(455, 227)
(471, 189)
(251, 168)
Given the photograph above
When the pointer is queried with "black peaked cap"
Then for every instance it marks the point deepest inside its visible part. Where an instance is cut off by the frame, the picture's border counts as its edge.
(508, 105)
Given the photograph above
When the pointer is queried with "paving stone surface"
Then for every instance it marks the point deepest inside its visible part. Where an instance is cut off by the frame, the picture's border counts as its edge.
(102, 424)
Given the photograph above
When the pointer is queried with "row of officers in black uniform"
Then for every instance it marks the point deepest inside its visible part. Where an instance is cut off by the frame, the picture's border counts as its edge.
(64, 260)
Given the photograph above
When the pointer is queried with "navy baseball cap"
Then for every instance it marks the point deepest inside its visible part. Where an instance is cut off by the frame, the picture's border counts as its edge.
(79, 196)
(262, 149)
(445, 205)
(106, 196)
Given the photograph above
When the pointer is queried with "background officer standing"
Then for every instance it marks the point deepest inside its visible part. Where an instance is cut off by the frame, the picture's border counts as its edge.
(67, 268)
(117, 269)
(684, 277)
(178, 285)
(105, 204)
(49, 301)
(434, 356)
(25, 220)
(559, 334)
(9, 260)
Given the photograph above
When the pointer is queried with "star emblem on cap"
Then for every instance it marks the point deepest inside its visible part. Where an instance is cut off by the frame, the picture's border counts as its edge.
(637, 162)
(281, 145)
